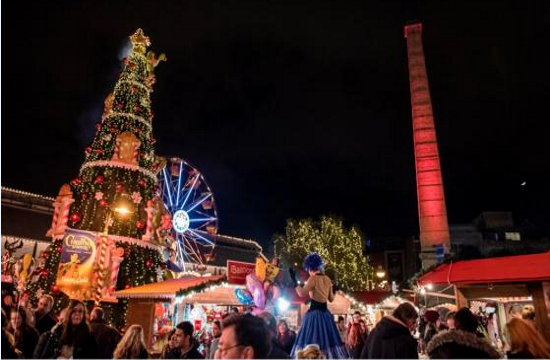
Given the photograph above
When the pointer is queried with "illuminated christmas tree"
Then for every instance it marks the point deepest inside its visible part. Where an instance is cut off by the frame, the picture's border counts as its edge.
(114, 197)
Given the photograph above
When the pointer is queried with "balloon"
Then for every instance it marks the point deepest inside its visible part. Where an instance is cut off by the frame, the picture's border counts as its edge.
(256, 288)
(244, 297)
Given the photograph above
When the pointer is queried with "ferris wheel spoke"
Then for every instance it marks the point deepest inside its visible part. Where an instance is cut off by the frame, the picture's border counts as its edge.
(168, 185)
(179, 184)
(200, 201)
(201, 237)
(189, 191)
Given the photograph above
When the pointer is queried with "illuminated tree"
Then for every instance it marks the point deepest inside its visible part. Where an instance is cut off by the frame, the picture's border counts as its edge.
(341, 249)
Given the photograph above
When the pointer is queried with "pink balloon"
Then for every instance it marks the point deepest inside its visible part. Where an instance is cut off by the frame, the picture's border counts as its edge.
(256, 288)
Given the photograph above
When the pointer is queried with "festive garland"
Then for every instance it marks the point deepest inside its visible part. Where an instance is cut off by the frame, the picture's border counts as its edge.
(131, 82)
(198, 289)
(109, 163)
(135, 117)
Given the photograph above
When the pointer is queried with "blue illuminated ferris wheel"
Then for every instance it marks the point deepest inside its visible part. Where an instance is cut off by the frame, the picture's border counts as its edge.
(190, 202)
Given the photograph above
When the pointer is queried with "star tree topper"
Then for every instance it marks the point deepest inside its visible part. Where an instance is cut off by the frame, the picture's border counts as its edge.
(139, 41)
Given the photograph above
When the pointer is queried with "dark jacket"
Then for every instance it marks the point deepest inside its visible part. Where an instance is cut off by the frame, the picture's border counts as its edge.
(287, 342)
(8, 351)
(277, 351)
(43, 323)
(106, 336)
(192, 353)
(458, 344)
(41, 346)
(390, 339)
(26, 342)
(85, 350)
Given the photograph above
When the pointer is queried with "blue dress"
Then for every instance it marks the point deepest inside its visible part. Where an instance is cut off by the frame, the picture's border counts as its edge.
(319, 328)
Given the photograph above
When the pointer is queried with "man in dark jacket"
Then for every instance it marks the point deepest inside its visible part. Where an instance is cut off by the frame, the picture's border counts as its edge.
(107, 337)
(391, 338)
(186, 345)
(276, 351)
(462, 343)
(43, 320)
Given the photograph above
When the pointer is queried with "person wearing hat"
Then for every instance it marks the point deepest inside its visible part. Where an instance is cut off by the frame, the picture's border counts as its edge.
(462, 343)
(318, 327)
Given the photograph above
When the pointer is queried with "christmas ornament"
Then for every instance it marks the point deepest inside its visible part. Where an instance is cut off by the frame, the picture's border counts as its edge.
(148, 263)
(142, 183)
(99, 179)
(99, 151)
(136, 197)
(55, 289)
(84, 196)
(140, 224)
(137, 108)
(76, 182)
(59, 249)
(75, 217)
(97, 126)
(103, 203)
(98, 196)
(119, 187)
(44, 273)
(88, 150)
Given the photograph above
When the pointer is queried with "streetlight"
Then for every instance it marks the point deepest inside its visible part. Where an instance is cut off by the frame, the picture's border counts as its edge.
(380, 273)
(123, 208)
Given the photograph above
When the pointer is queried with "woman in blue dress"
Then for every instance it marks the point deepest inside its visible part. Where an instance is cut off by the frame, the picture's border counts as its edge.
(318, 326)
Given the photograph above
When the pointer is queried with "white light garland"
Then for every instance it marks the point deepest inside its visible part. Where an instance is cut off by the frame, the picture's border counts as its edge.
(133, 116)
(109, 163)
(132, 82)
(27, 193)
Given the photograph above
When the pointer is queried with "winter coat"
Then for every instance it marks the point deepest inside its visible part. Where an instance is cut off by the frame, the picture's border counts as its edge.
(53, 348)
(390, 339)
(287, 341)
(43, 323)
(106, 336)
(26, 341)
(41, 346)
(519, 355)
(458, 344)
(192, 353)
(277, 351)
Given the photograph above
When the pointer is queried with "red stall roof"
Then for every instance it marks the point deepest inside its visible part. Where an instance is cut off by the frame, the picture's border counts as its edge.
(535, 267)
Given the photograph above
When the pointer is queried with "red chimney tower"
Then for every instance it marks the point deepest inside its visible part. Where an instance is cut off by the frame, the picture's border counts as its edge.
(432, 212)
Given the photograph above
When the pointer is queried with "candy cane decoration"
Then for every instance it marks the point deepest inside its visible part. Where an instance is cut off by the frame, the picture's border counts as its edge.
(64, 216)
(101, 272)
(149, 229)
(115, 265)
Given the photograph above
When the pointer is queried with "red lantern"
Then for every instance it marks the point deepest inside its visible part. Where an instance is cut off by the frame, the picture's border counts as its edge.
(140, 224)
(103, 203)
(75, 217)
(99, 179)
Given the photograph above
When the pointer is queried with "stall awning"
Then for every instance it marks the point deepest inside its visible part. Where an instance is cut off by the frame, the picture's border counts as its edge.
(522, 268)
(165, 289)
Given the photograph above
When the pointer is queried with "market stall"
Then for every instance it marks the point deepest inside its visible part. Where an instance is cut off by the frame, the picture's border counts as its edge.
(502, 281)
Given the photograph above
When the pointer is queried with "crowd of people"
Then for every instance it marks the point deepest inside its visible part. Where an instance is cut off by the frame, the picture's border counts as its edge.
(405, 334)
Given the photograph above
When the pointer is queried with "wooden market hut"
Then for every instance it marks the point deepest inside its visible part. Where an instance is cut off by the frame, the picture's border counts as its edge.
(504, 277)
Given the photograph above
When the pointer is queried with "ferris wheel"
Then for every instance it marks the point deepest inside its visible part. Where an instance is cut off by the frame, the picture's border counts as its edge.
(190, 202)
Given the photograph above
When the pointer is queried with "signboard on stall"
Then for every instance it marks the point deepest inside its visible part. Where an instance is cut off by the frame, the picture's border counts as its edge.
(237, 271)
(74, 274)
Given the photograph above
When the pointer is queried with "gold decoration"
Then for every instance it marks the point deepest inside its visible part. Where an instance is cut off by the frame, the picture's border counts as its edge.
(127, 145)
(139, 41)
(108, 105)
(153, 61)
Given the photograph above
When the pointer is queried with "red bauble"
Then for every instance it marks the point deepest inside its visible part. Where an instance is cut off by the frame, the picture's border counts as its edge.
(142, 183)
(97, 126)
(76, 182)
(84, 196)
(148, 263)
(127, 287)
(75, 217)
(55, 289)
(44, 273)
(103, 203)
(120, 105)
(88, 149)
(99, 179)
(137, 108)
(119, 187)
(59, 249)
(99, 151)
(140, 224)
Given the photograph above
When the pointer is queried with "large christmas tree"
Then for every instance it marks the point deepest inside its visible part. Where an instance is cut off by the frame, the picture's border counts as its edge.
(114, 198)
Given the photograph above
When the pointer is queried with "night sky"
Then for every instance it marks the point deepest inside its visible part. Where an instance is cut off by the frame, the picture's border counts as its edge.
(293, 109)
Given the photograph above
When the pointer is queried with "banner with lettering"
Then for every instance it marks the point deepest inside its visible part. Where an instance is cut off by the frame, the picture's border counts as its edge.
(75, 272)
(237, 271)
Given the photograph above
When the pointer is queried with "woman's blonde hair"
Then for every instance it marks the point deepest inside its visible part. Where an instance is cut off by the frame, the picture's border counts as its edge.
(312, 351)
(525, 338)
(131, 344)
